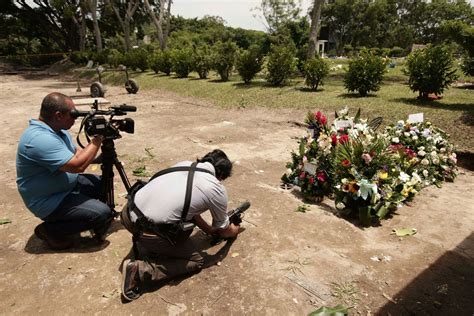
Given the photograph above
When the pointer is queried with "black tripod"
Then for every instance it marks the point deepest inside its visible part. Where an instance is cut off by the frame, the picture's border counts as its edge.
(109, 160)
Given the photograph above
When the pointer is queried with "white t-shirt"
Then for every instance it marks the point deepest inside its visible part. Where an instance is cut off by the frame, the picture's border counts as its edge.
(162, 199)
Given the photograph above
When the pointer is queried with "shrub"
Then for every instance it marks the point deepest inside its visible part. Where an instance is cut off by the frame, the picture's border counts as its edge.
(165, 63)
(114, 57)
(281, 65)
(101, 57)
(396, 52)
(79, 58)
(365, 73)
(182, 60)
(224, 58)
(136, 58)
(249, 63)
(154, 61)
(348, 49)
(315, 70)
(202, 60)
(430, 70)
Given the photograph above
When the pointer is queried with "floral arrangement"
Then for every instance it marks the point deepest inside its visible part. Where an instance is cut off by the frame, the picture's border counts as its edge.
(369, 174)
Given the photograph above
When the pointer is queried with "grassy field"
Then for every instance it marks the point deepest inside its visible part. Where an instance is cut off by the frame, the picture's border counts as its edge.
(453, 113)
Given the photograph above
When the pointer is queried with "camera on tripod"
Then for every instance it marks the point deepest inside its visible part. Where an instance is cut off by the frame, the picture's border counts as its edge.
(95, 122)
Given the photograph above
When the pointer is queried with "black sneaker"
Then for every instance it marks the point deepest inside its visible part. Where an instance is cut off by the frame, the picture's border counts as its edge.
(130, 280)
(54, 242)
(100, 233)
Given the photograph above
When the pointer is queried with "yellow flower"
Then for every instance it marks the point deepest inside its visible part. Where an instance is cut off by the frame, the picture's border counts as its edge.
(383, 175)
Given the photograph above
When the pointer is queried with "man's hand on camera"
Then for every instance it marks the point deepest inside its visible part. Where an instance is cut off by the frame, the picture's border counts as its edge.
(97, 139)
(230, 232)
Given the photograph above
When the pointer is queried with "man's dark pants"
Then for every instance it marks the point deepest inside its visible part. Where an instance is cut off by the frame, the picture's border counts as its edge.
(80, 210)
(162, 260)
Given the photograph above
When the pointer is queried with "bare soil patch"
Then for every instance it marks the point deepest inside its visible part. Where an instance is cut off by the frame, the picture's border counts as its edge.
(284, 263)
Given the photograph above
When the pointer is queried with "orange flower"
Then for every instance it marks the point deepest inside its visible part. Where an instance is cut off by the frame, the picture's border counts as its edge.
(345, 163)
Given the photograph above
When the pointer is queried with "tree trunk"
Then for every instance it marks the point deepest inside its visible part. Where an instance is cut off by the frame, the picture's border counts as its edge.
(132, 6)
(95, 23)
(313, 34)
(157, 21)
(168, 23)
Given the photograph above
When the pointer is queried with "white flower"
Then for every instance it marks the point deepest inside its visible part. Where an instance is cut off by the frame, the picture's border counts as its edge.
(425, 173)
(404, 177)
(398, 133)
(435, 161)
(343, 112)
(415, 137)
(426, 132)
(305, 159)
(421, 153)
(401, 123)
(421, 148)
(395, 140)
(434, 154)
(340, 206)
(443, 150)
(425, 162)
(366, 189)
(406, 134)
(415, 178)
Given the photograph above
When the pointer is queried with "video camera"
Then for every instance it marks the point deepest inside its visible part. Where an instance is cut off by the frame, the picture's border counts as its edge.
(95, 122)
(235, 217)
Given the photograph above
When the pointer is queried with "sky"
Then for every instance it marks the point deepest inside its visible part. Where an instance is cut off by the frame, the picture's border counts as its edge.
(237, 13)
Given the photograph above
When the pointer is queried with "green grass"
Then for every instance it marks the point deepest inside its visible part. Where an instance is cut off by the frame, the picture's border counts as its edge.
(453, 113)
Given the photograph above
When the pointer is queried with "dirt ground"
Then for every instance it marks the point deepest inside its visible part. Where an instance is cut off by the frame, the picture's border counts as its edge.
(284, 263)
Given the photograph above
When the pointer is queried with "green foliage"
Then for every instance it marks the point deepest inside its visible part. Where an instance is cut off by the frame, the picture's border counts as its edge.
(315, 70)
(136, 58)
(182, 60)
(281, 65)
(463, 34)
(114, 57)
(430, 70)
(224, 58)
(365, 73)
(338, 310)
(249, 63)
(161, 61)
(396, 52)
(202, 60)
(154, 61)
(79, 58)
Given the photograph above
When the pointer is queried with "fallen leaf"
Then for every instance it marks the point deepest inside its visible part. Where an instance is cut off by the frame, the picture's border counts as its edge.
(111, 293)
(400, 232)
(235, 254)
(5, 221)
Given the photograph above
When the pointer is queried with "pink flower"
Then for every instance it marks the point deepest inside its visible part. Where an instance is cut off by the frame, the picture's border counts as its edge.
(410, 153)
(343, 138)
(334, 139)
(311, 180)
(302, 175)
(323, 120)
(367, 158)
(321, 176)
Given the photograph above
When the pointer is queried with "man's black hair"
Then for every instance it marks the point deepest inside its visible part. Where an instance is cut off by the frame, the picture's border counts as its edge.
(220, 161)
(53, 103)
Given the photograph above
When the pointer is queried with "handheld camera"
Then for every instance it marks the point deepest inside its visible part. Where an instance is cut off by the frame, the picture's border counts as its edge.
(96, 123)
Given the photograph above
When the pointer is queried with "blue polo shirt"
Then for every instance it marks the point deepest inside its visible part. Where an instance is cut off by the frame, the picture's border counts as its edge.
(41, 152)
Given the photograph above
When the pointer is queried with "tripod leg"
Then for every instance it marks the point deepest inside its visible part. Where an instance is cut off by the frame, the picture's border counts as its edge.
(122, 174)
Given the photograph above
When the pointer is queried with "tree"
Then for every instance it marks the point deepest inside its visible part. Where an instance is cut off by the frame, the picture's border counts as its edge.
(92, 4)
(160, 18)
(462, 34)
(313, 33)
(277, 12)
(430, 70)
(130, 7)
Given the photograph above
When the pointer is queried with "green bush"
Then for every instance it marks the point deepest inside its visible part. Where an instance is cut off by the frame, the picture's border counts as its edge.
(249, 63)
(136, 58)
(114, 58)
(467, 65)
(182, 60)
(202, 60)
(396, 52)
(79, 58)
(430, 70)
(281, 65)
(154, 61)
(315, 70)
(101, 57)
(224, 58)
(365, 73)
(348, 49)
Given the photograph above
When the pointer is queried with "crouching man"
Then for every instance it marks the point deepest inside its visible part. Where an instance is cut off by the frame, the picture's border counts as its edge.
(161, 215)
(49, 176)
